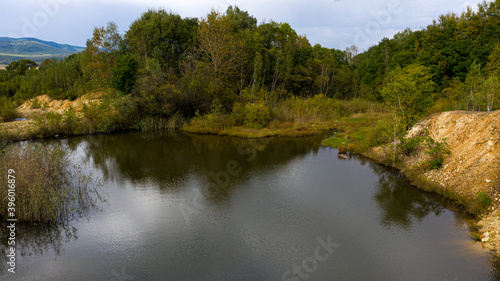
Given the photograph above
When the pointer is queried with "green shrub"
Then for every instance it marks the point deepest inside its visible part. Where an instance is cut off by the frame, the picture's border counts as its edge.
(381, 134)
(72, 124)
(99, 117)
(256, 115)
(483, 201)
(409, 145)
(54, 121)
(48, 124)
(8, 111)
(436, 151)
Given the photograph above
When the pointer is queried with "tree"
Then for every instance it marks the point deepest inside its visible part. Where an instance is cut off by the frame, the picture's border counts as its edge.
(474, 80)
(219, 47)
(102, 49)
(493, 65)
(20, 67)
(125, 73)
(240, 20)
(166, 37)
(490, 90)
(408, 92)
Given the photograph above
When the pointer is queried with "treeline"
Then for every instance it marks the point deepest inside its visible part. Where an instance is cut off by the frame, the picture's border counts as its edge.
(460, 52)
(166, 65)
(169, 64)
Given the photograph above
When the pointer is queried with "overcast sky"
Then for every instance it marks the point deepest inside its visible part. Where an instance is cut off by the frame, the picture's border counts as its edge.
(331, 23)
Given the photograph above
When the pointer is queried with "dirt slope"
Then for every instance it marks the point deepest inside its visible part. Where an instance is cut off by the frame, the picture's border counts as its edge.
(474, 142)
(45, 104)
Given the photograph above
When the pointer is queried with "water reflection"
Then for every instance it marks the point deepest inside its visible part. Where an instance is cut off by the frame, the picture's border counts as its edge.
(402, 205)
(37, 240)
(168, 159)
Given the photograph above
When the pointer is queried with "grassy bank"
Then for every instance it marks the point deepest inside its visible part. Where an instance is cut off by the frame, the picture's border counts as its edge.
(357, 133)
(293, 117)
(43, 186)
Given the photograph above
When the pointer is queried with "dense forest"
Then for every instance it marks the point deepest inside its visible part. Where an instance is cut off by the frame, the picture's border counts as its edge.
(166, 66)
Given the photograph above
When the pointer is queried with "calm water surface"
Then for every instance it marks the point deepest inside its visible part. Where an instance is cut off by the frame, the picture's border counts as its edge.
(182, 207)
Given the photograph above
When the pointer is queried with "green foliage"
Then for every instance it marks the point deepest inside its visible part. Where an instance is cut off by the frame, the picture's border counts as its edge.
(483, 201)
(381, 134)
(436, 150)
(72, 124)
(20, 67)
(99, 117)
(8, 109)
(448, 46)
(125, 73)
(256, 115)
(161, 35)
(266, 74)
(408, 91)
(490, 96)
(48, 124)
(35, 104)
(410, 145)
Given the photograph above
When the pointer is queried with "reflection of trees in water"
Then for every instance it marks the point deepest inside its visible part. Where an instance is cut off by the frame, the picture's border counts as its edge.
(36, 240)
(167, 159)
(400, 202)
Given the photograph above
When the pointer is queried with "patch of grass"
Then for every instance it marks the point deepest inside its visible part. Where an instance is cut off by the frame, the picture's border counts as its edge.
(292, 117)
(334, 142)
(483, 201)
(356, 132)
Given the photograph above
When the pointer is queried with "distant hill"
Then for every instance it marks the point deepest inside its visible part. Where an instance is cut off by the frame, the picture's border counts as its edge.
(12, 49)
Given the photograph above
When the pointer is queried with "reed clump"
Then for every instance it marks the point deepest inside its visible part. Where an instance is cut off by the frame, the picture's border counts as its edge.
(49, 188)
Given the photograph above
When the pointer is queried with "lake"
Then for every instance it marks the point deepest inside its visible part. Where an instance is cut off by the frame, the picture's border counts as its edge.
(197, 207)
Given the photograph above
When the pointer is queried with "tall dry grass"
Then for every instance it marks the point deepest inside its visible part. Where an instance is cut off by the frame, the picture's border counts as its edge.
(48, 187)
(320, 108)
